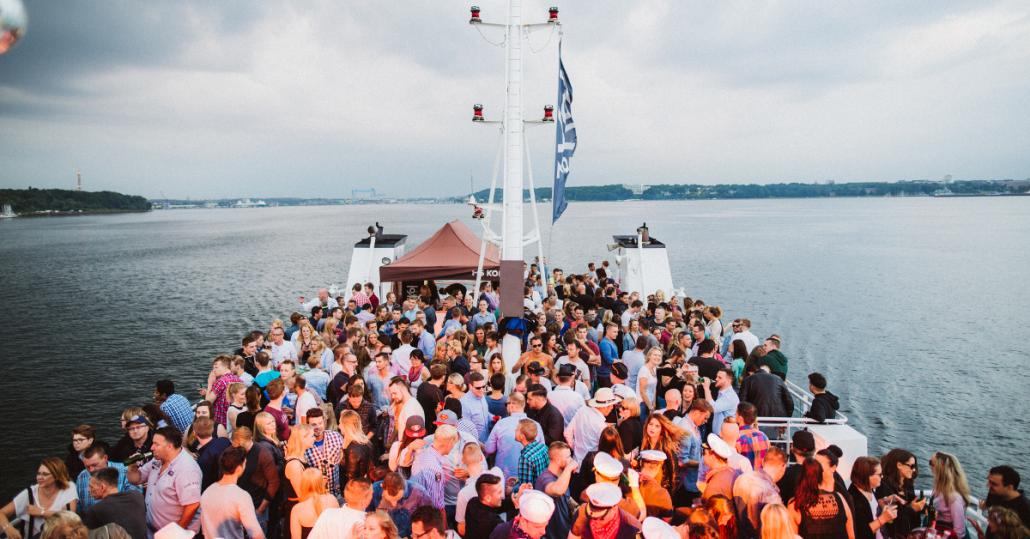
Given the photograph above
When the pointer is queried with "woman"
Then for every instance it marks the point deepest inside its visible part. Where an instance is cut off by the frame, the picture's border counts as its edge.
(456, 389)
(479, 340)
(661, 434)
(647, 378)
(777, 524)
(265, 435)
(83, 436)
(551, 346)
(871, 514)
(818, 511)
(246, 418)
(236, 394)
(314, 498)
(738, 353)
(950, 493)
(497, 400)
(724, 513)
(496, 366)
(379, 525)
(52, 492)
(302, 438)
(609, 442)
(900, 469)
(418, 372)
(631, 429)
(204, 409)
(629, 339)
(305, 335)
(404, 450)
(316, 348)
(1002, 523)
(328, 333)
(357, 449)
(713, 326)
(688, 393)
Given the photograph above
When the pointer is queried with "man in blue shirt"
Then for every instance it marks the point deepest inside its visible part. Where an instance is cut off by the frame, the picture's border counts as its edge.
(475, 408)
(609, 353)
(175, 406)
(95, 458)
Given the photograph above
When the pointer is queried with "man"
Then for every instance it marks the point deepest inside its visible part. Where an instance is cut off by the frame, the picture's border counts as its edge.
(585, 428)
(260, 476)
(484, 316)
(707, 365)
(535, 354)
(348, 368)
(173, 483)
(824, 404)
(400, 361)
(326, 452)
(125, 508)
(752, 491)
(573, 356)
(535, 510)
(431, 393)
(774, 359)
(422, 338)
(209, 448)
(340, 523)
(323, 300)
(609, 354)
(428, 523)
(545, 414)
(725, 403)
(295, 319)
(536, 376)
(802, 447)
(768, 393)
(226, 510)
(317, 380)
(744, 334)
(533, 458)
(399, 498)
(95, 458)
(690, 456)
(281, 348)
(634, 360)
(1003, 490)
(474, 406)
(554, 481)
(564, 397)
(357, 403)
(473, 460)
(483, 512)
(602, 511)
(402, 404)
(656, 499)
(751, 442)
(434, 470)
(248, 351)
(138, 438)
(265, 372)
(502, 441)
(632, 313)
(719, 477)
(175, 406)
(219, 380)
(276, 392)
(730, 433)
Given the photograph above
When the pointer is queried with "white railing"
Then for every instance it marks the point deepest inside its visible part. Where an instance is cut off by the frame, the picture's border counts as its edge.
(780, 430)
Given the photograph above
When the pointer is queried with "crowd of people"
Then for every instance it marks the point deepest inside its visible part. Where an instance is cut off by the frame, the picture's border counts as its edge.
(378, 418)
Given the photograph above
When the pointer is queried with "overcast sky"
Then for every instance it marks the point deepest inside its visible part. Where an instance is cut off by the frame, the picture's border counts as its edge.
(213, 99)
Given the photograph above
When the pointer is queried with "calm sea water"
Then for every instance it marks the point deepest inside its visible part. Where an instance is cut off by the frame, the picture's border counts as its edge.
(914, 309)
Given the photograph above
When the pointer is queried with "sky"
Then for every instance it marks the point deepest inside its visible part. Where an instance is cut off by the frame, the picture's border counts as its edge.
(313, 99)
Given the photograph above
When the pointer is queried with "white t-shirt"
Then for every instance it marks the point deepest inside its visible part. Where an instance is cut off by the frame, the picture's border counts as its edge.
(21, 504)
(334, 523)
(650, 383)
(584, 370)
(468, 492)
(304, 403)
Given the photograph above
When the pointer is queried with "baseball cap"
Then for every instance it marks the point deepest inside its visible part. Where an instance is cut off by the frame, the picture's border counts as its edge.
(535, 368)
(804, 441)
(415, 427)
(446, 417)
(138, 420)
(620, 370)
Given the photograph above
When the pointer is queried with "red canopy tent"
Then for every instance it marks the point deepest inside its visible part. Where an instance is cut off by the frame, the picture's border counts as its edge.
(452, 253)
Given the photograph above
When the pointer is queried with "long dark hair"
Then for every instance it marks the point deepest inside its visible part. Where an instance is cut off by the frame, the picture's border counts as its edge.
(611, 442)
(889, 464)
(807, 493)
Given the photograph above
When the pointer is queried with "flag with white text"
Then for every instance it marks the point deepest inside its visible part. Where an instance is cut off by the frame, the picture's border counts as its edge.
(564, 140)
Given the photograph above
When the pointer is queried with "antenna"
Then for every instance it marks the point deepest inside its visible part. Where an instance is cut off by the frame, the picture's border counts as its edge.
(78, 180)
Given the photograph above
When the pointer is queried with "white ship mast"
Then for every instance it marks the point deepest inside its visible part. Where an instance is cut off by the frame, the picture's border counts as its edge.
(512, 237)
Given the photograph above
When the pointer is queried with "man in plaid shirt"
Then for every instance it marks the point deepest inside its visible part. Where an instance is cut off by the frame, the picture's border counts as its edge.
(752, 443)
(218, 382)
(327, 452)
(533, 459)
(174, 405)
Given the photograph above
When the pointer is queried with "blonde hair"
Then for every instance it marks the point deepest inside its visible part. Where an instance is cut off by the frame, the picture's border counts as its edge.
(350, 428)
(295, 445)
(457, 380)
(776, 523)
(260, 420)
(948, 478)
(64, 525)
(386, 523)
(312, 484)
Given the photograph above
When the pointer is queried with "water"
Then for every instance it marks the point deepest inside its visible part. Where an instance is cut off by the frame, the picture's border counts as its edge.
(914, 309)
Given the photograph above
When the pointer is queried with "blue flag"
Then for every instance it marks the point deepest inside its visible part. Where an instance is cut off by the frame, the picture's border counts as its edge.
(564, 140)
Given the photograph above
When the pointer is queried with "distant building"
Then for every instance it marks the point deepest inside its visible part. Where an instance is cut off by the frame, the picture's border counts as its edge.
(636, 189)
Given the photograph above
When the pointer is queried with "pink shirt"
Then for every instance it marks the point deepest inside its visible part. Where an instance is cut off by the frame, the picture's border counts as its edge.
(170, 491)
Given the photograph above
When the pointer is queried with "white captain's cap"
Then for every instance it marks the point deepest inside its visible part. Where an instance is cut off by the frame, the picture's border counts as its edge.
(604, 494)
(535, 506)
(719, 446)
(606, 465)
(653, 455)
(656, 528)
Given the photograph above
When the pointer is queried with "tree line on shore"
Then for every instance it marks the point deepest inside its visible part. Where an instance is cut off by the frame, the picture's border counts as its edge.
(27, 201)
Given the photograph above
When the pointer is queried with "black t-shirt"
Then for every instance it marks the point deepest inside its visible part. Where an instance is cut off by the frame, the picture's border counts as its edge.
(480, 520)
(126, 509)
(707, 367)
(429, 395)
(1019, 505)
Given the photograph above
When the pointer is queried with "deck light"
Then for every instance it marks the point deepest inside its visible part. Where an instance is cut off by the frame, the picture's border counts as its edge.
(477, 113)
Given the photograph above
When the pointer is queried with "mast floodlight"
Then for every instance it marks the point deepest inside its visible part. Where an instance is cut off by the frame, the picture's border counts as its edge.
(475, 15)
